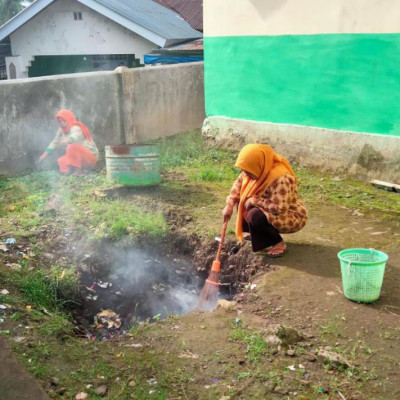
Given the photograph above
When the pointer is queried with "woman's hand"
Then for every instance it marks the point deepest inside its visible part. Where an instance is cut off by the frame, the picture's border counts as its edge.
(43, 156)
(227, 212)
(249, 203)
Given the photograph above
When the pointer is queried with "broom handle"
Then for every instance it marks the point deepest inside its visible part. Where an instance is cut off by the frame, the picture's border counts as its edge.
(222, 240)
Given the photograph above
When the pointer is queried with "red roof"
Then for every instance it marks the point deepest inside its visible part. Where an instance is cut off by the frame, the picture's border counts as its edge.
(190, 10)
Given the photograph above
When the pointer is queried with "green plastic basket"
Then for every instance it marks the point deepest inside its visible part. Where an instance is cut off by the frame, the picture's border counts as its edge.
(362, 273)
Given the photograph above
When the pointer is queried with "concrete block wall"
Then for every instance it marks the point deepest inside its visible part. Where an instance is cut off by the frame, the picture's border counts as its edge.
(122, 106)
(361, 155)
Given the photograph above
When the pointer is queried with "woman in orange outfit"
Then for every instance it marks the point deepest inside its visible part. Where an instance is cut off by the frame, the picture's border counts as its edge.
(267, 199)
(80, 152)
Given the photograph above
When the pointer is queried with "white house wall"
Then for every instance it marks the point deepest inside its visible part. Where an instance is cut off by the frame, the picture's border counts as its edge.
(299, 17)
(55, 32)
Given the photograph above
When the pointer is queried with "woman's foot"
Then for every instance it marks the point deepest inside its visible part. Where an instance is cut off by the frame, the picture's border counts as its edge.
(278, 250)
(246, 236)
(78, 172)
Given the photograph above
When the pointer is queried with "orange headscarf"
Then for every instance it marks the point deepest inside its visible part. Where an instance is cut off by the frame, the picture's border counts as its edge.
(262, 162)
(69, 116)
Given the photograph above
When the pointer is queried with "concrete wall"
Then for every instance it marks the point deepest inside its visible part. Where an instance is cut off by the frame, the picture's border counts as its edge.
(159, 101)
(123, 106)
(55, 32)
(363, 156)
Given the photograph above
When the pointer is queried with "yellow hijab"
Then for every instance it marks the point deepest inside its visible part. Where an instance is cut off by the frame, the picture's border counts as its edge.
(261, 161)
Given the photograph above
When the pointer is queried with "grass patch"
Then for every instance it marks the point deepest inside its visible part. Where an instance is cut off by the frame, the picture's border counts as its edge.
(189, 155)
(53, 290)
(316, 187)
(115, 219)
(256, 345)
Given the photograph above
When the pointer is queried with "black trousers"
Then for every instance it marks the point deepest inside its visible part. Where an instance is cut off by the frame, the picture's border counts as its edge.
(263, 234)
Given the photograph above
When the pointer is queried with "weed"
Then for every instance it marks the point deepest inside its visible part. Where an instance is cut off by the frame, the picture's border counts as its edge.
(59, 325)
(256, 345)
(50, 290)
(115, 219)
(196, 160)
(330, 329)
(300, 350)
(244, 375)
(17, 316)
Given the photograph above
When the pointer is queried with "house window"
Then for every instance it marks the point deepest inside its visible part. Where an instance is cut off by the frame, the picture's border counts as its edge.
(77, 16)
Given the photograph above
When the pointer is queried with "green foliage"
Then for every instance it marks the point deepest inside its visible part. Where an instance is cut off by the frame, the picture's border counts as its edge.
(316, 187)
(188, 154)
(58, 325)
(256, 345)
(114, 219)
(51, 290)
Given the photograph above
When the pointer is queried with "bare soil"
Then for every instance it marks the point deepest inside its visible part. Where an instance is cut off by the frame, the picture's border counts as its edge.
(209, 355)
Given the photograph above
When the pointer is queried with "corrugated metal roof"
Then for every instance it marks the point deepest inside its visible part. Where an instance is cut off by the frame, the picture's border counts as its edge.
(192, 46)
(144, 17)
(190, 10)
(154, 17)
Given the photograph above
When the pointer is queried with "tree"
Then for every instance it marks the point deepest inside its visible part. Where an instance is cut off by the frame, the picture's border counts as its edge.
(9, 8)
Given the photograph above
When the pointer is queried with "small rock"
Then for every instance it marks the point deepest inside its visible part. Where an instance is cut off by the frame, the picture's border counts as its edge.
(280, 390)
(225, 398)
(101, 390)
(54, 381)
(273, 329)
(272, 340)
(61, 391)
(132, 384)
(291, 353)
(81, 396)
(270, 386)
(334, 359)
(311, 358)
(226, 305)
(325, 389)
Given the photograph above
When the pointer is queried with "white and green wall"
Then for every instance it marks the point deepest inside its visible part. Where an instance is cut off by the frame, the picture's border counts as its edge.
(317, 72)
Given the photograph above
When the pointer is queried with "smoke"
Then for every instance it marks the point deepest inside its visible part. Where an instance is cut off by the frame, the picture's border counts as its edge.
(150, 285)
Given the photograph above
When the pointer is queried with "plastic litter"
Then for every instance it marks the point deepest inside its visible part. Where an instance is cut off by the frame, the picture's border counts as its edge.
(108, 318)
(104, 285)
(10, 242)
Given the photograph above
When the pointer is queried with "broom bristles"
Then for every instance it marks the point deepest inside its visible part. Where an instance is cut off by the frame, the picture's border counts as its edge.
(209, 295)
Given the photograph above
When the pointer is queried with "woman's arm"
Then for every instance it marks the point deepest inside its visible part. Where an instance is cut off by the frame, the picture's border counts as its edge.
(53, 145)
(232, 199)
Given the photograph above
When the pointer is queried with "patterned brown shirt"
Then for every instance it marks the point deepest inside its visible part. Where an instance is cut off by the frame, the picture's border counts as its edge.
(280, 203)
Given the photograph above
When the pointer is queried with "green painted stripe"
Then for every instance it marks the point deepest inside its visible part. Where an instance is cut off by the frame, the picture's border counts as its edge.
(346, 82)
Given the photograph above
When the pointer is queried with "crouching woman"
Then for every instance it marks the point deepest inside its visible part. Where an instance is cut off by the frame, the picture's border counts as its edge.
(267, 199)
(80, 150)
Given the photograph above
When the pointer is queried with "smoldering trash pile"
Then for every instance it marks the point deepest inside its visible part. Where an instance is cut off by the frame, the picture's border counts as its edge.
(137, 289)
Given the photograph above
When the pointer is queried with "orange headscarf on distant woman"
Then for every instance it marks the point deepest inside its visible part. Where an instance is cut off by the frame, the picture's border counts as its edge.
(262, 162)
(69, 116)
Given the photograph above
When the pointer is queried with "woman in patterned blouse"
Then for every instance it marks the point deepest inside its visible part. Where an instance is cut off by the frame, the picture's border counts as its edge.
(80, 149)
(267, 199)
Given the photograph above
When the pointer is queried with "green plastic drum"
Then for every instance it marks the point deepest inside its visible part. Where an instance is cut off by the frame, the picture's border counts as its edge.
(133, 164)
(362, 273)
